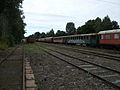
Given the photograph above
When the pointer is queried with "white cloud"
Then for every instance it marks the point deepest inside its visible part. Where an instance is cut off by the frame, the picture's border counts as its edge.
(56, 13)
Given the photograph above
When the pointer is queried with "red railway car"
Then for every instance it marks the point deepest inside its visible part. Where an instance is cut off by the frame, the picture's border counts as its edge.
(41, 40)
(60, 39)
(31, 39)
(110, 38)
(47, 39)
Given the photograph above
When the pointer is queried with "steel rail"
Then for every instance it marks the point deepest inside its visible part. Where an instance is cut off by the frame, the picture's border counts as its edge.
(23, 68)
(85, 61)
(82, 68)
(107, 56)
(8, 55)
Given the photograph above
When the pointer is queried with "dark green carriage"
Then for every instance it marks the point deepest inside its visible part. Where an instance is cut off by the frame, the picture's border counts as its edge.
(82, 39)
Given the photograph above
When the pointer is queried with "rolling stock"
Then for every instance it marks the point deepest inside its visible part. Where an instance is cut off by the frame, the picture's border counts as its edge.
(110, 38)
(103, 38)
(30, 39)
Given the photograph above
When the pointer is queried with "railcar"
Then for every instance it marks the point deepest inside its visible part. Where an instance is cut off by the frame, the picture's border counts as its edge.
(30, 39)
(60, 39)
(107, 38)
(110, 38)
(83, 39)
(47, 39)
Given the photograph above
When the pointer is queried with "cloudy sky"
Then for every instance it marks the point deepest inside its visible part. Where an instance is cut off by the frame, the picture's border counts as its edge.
(43, 15)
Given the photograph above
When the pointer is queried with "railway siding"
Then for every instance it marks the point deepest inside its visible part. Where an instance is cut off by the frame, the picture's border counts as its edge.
(112, 78)
(50, 71)
(11, 69)
(108, 62)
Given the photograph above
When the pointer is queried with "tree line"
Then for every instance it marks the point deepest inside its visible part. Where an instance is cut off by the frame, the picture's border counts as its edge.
(91, 26)
(11, 22)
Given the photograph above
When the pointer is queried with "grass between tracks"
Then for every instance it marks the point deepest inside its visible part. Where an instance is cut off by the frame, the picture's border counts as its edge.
(3, 46)
(31, 46)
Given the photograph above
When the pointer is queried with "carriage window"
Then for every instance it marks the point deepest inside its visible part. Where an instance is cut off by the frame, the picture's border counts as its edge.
(87, 37)
(102, 37)
(81, 37)
(77, 38)
(107, 36)
(116, 36)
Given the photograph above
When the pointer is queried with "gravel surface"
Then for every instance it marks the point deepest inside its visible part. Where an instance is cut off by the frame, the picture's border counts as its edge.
(110, 51)
(98, 60)
(54, 74)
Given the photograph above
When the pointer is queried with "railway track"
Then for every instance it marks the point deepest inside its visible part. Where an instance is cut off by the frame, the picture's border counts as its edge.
(12, 70)
(2, 60)
(88, 52)
(103, 73)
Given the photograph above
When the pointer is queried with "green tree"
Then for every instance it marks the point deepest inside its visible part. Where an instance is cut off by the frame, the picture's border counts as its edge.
(70, 28)
(94, 26)
(106, 23)
(115, 25)
(11, 21)
(60, 33)
(51, 33)
(87, 28)
(37, 35)
(42, 35)
(97, 25)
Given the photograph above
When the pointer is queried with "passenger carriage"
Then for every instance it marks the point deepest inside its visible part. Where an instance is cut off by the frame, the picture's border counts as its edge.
(83, 39)
(47, 39)
(110, 38)
(59, 39)
(30, 39)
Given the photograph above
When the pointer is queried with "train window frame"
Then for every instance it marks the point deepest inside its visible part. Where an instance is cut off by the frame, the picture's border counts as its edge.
(107, 36)
(81, 37)
(102, 36)
(73, 38)
(76, 37)
(116, 36)
(86, 37)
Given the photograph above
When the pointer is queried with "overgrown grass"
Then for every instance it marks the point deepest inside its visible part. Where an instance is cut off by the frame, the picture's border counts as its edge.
(3, 46)
(31, 46)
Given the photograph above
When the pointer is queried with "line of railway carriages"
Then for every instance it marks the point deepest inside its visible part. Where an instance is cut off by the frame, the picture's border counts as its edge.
(109, 38)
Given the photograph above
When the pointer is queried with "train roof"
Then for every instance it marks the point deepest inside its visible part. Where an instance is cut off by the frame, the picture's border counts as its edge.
(110, 31)
(77, 35)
